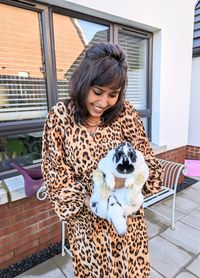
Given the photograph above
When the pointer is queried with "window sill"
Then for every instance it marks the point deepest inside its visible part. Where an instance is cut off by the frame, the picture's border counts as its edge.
(158, 149)
(12, 189)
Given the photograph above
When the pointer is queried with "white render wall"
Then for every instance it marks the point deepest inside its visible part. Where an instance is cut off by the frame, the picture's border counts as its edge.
(172, 24)
(194, 123)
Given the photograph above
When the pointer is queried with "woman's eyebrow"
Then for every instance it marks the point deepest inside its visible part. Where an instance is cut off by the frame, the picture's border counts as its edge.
(114, 91)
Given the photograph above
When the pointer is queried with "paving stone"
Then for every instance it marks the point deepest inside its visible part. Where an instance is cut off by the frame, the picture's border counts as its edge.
(192, 193)
(166, 210)
(184, 236)
(192, 219)
(185, 274)
(47, 269)
(194, 267)
(165, 257)
(65, 264)
(182, 203)
(154, 274)
(153, 227)
(196, 185)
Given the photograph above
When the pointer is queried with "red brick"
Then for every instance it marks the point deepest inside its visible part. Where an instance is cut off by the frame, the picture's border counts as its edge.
(6, 257)
(50, 236)
(4, 223)
(30, 245)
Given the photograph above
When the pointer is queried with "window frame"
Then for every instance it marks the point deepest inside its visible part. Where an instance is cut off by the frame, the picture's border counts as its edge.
(47, 39)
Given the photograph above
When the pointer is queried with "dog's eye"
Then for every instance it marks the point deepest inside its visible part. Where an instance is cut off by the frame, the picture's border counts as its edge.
(132, 156)
(119, 154)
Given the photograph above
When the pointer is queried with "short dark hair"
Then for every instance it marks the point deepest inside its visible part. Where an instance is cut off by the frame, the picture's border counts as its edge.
(104, 64)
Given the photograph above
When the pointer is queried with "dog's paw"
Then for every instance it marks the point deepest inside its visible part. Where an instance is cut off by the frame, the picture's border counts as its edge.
(139, 179)
(129, 182)
(98, 177)
(110, 181)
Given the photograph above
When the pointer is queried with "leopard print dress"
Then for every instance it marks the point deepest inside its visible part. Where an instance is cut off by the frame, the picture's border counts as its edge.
(70, 155)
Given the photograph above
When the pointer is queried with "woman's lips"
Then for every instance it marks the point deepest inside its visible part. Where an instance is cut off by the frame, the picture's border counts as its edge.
(98, 109)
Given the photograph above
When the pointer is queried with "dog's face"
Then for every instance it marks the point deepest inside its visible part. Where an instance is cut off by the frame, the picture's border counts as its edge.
(124, 158)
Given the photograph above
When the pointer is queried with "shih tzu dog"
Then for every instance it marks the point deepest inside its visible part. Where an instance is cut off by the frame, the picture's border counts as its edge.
(116, 204)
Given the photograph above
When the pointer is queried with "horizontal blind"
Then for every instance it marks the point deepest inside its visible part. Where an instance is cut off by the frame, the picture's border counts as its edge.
(196, 35)
(22, 82)
(136, 51)
(70, 46)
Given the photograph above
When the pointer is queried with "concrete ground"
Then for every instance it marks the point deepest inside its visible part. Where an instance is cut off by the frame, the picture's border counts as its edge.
(173, 253)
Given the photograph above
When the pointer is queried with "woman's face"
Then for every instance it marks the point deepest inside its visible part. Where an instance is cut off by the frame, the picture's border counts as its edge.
(99, 99)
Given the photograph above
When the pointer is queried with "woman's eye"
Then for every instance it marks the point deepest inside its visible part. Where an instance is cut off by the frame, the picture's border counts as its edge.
(113, 95)
(98, 93)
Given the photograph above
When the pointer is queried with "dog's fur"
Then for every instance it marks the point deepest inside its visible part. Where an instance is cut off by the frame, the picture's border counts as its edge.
(116, 204)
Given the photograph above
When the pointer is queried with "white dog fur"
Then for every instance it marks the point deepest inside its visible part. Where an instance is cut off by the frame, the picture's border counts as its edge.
(113, 204)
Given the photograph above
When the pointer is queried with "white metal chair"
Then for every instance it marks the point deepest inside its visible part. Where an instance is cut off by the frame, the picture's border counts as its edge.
(42, 195)
(171, 174)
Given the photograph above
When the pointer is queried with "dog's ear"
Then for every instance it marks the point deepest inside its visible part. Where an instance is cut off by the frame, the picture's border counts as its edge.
(117, 156)
(132, 154)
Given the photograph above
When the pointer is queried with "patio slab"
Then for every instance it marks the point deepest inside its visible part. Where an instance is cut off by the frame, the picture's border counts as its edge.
(192, 219)
(184, 237)
(166, 258)
(47, 269)
(194, 267)
(183, 204)
(154, 274)
(153, 227)
(192, 193)
(185, 274)
(166, 210)
(65, 264)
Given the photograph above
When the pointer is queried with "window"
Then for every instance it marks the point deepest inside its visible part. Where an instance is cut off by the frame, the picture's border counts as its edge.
(22, 75)
(40, 48)
(196, 36)
(81, 34)
(136, 46)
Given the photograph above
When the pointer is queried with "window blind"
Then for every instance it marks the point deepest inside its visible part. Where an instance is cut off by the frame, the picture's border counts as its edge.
(136, 51)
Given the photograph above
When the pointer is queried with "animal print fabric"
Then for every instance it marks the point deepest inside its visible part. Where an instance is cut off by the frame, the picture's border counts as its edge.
(70, 155)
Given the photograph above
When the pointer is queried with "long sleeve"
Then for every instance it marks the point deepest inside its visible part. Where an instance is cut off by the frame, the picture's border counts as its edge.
(134, 132)
(65, 193)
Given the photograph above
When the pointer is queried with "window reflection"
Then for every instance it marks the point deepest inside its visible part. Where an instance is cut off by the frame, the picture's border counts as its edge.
(24, 149)
(22, 82)
(72, 38)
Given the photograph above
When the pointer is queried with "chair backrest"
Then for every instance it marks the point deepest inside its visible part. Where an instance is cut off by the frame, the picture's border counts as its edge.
(171, 173)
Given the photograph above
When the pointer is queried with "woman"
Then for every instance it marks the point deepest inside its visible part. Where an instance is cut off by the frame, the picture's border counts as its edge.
(77, 135)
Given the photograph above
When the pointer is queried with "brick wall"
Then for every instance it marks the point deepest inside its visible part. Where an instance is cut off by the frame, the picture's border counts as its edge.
(192, 152)
(26, 227)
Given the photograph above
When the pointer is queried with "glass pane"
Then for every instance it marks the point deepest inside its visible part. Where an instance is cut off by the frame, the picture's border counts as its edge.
(24, 149)
(136, 49)
(72, 37)
(145, 123)
(22, 81)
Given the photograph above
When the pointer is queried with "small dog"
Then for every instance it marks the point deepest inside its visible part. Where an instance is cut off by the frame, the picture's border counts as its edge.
(116, 204)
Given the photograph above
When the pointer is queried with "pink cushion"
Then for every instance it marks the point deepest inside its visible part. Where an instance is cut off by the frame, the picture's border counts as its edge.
(192, 168)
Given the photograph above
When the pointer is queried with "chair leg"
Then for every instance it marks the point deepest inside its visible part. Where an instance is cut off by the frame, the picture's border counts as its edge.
(173, 212)
(63, 237)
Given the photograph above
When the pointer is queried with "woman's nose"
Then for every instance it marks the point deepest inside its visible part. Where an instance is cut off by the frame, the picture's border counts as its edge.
(104, 101)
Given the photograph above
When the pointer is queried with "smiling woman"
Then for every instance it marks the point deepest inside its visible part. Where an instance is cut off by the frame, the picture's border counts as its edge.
(77, 134)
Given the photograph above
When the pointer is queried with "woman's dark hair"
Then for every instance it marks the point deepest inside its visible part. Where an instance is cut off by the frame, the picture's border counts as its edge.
(104, 64)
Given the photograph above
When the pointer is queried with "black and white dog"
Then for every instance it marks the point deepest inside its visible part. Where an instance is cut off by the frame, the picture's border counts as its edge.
(116, 204)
